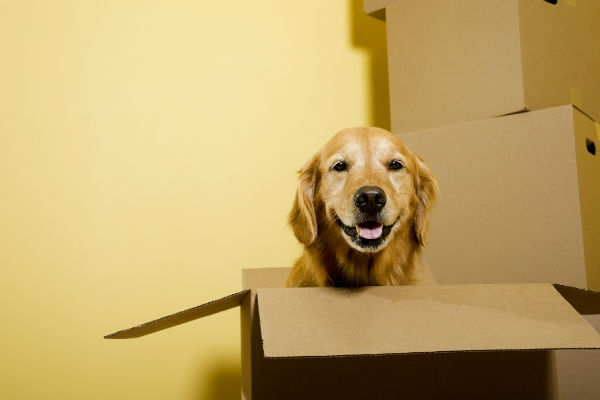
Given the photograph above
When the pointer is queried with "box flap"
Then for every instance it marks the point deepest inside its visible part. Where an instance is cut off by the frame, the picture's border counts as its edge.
(586, 302)
(203, 310)
(315, 322)
(253, 278)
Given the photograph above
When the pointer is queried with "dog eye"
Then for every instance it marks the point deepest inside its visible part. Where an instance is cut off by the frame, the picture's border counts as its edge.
(340, 166)
(395, 164)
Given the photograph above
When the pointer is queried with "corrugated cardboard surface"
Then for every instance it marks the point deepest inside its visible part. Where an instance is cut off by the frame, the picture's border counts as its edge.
(315, 322)
(560, 54)
(579, 371)
(508, 208)
(523, 375)
(452, 61)
(588, 176)
(255, 374)
(490, 375)
(253, 278)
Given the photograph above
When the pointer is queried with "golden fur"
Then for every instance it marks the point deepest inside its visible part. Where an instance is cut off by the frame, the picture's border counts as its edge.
(325, 201)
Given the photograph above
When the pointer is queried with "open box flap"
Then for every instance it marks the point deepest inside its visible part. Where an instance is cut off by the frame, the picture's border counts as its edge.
(316, 322)
(203, 310)
(253, 278)
(586, 302)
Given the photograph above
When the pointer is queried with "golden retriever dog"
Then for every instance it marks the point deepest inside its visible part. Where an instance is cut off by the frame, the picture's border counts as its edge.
(361, 211)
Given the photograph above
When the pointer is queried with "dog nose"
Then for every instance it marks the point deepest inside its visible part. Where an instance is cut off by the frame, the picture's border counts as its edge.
(370, 199)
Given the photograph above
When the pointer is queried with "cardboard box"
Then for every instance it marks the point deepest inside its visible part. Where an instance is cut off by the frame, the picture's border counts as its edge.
(520, 202)
(463, 341)
(453, 61)
(578, 370)
(519, 199)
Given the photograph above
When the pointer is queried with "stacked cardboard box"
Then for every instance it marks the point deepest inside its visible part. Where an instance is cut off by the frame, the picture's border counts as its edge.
(519, 194)
(452, 61)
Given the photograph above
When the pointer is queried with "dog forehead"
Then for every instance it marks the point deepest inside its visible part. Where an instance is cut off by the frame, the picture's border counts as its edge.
(347, 139)
(386, 146)
(360, 142)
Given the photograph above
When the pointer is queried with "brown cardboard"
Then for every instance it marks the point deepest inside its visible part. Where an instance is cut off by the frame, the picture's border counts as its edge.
(461, 375)
(579, 370)
(519, 202)
(518, 199)
(453, 61)
(413, 319)
(586, 302)
(264, 277)
(203, 310)
(297, 343)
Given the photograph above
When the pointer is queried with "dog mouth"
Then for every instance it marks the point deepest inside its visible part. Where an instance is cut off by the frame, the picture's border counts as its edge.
(370, 230)
(368, 235)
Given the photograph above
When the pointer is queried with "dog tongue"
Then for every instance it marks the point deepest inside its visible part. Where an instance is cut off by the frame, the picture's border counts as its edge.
(370, 232)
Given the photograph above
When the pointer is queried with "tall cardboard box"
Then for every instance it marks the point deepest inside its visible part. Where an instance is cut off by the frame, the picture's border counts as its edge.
(457, 341)
(452, 61)
(519, 202)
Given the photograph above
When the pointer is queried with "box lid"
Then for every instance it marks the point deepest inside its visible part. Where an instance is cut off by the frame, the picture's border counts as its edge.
(405, 319)
(251, 278)
(203, 310)
(317, 322)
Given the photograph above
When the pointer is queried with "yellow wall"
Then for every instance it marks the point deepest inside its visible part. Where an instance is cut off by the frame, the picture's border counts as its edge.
(148, 152)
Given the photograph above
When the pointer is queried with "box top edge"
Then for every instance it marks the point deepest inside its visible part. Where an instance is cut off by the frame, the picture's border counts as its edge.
(425, 353)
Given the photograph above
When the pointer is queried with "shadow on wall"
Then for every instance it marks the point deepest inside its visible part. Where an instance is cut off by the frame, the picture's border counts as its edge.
(369, 34)
(224, 381)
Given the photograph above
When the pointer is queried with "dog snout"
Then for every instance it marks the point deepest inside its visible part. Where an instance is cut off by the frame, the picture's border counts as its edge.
(370, 199)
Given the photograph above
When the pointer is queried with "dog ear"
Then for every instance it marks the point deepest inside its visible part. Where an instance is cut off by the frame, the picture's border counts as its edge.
(302, 218)
(426, 188)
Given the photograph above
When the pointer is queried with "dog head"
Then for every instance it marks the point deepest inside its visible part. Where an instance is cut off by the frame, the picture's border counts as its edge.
(363, 186)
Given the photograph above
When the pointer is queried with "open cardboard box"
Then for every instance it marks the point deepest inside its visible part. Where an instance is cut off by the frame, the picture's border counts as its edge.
(460, 341)
(452, 61)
